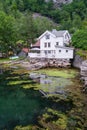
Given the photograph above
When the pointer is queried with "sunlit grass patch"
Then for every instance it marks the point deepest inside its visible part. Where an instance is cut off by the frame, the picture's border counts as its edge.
(35, 86)
(18, 82)
(4, 60)
(66, 73)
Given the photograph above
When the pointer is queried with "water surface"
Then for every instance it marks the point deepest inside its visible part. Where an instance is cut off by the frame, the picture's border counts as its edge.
(20, 105)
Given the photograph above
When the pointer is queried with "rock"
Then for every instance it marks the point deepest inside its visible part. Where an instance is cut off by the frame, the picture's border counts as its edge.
(77, 62)
(58, 3)
(83, 73)
(83, 68)
(41, 63)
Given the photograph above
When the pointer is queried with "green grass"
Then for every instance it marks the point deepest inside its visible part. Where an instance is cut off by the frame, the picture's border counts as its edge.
(65, 73)
(82, 53)
(4, 60)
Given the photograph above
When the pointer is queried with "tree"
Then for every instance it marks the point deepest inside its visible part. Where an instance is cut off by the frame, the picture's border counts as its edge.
(42, 24)
(7, 32)
(27, 29)
(77, 23)
(20, 5)
(79, 39)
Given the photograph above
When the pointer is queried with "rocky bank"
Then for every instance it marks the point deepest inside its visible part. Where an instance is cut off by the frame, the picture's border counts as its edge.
(83, 73)
(40, 63)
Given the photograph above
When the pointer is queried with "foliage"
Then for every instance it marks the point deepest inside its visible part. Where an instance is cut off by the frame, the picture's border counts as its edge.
(56, 118)
(7, 34)
(82, 53)
(17, 23)
(79, 39)
(23, 128)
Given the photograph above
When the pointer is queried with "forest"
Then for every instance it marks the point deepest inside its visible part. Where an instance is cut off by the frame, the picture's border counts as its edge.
(18, 26)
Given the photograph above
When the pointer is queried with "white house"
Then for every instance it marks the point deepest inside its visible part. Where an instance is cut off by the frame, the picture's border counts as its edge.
(53, 44)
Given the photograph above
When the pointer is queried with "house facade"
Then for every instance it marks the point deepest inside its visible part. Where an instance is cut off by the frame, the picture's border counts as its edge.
(53, 45)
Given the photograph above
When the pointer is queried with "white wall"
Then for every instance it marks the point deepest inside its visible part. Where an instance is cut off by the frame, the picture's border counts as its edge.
(52, 41)
(34, 55)
(65, 53)
(54, 54)
(57, 54)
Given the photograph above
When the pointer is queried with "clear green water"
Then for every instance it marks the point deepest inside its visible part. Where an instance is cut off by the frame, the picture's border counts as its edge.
(19, 106)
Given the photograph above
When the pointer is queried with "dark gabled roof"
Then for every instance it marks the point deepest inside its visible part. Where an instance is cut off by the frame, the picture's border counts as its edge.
(58, 33)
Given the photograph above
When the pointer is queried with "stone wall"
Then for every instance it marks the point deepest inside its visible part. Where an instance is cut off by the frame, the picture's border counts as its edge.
(51, 62)
(77, 61)
(84, 74)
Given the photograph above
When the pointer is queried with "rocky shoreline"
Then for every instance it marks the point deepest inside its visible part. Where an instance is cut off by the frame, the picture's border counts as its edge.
(44, 62)
(35, 64)
(83, 73)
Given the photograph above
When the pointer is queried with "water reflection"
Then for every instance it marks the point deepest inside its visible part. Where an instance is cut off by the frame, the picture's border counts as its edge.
(51, 85)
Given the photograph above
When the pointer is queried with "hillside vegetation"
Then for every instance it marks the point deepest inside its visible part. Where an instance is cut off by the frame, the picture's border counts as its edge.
(18, 26)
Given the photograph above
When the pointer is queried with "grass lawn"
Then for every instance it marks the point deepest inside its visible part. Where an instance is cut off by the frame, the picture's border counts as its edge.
(4, 59)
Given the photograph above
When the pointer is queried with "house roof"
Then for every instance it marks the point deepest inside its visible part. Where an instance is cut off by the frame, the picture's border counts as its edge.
(54, 33)
(58, 33)
(37, 44)
(26, 50)
(46, 32)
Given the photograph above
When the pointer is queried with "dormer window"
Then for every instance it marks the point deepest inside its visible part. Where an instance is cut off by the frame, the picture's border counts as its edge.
(47, 36)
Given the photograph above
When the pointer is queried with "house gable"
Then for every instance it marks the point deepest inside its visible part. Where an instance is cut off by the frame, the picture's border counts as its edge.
(67, 38)
(45, 34)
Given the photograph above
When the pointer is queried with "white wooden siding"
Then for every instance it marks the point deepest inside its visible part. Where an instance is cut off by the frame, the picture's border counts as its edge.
(54, 54)
(52, 42)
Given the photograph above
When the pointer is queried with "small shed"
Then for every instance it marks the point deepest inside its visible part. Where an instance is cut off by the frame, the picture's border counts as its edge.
(24, 52)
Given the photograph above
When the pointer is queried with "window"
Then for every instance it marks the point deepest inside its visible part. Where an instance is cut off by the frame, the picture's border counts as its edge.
(48, 44)
(59, 50)
(57, 43)
(45, 52)
(49, 52)
(66, 50)
(45, 44)
(47, 36)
